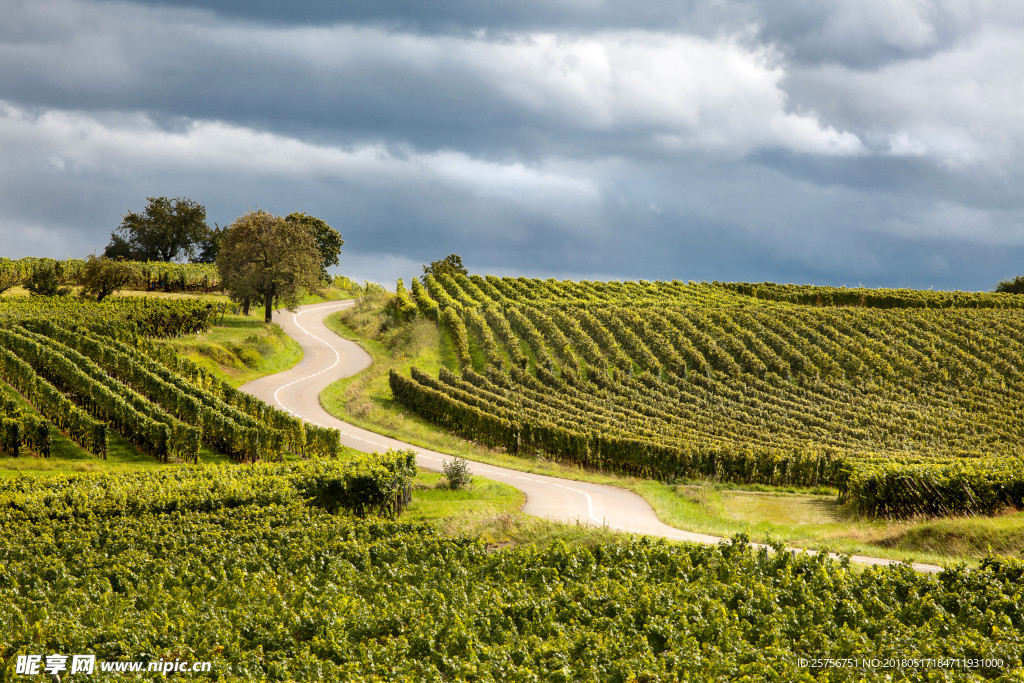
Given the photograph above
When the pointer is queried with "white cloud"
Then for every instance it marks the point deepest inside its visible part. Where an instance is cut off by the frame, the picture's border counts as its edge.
(686, 92)
(75, 142)
(961, 107)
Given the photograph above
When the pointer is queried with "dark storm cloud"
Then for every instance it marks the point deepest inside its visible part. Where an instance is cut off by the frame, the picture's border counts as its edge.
(465, 15)
(522, 94)
(867, 141)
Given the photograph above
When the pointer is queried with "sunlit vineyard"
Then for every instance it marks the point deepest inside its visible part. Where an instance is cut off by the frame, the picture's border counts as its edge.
(145, 275)
(246, 568)
(88, 368)
(906, 401)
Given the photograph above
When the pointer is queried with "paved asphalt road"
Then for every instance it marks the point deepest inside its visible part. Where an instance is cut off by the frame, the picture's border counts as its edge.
(328, 358)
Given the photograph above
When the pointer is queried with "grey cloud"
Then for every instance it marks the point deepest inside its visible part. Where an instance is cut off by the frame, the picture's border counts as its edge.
(460, 16)
(804, 145)
(867, 34)
(497, 96)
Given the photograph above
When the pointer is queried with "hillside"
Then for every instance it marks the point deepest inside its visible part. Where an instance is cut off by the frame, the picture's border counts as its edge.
(907, 402)
(273, 571)
(90, 369)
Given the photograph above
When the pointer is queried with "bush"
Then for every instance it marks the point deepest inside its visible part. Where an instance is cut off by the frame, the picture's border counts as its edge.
(248, 355)
(1014, 286)
(45, 280)
(458, 474)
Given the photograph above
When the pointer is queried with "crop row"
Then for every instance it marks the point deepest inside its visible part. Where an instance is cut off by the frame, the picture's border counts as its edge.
(145, 275)
(693, 385)
(230, 566)
(86, 371)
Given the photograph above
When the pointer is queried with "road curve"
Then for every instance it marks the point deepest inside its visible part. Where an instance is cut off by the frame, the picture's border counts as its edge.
(328, 358)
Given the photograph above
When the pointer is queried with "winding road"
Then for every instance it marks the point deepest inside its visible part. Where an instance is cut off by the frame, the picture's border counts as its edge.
(328, 358)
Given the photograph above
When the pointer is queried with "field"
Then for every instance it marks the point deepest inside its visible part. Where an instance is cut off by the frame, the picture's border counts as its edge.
(906, 402)
(250, 571)
(234, 534)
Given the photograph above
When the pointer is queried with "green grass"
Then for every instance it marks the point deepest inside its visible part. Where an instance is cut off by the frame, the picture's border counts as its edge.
(242, 348)
(239, 348)
(489, 511)
(809, 518)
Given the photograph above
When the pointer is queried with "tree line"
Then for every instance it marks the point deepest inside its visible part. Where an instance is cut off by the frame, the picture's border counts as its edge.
(262, 259)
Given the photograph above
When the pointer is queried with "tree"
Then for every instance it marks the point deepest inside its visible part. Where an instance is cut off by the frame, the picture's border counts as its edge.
(103, 276)
(328, 240)
(10, 276)
(45, 280)
(1014, 286)
(209, 246)
(264, 257)
(165, 231)
(450, 265)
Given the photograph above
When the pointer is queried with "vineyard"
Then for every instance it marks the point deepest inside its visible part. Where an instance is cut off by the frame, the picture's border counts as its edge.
(248, 568)
(146, 276)
(88, 368)
(302, 571)
(905, 401)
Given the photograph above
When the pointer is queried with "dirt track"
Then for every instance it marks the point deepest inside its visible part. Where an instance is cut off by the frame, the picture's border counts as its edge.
(328, 358)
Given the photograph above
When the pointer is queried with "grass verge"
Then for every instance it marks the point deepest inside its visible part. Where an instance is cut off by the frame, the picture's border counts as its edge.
(239, 348)
(489, 511)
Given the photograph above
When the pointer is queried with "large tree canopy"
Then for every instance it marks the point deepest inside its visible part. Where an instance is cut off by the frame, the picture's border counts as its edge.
(328, 240)
(265, 257)
(167, 230)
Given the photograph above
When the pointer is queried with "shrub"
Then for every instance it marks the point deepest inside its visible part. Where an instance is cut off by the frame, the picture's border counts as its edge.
(458, 474)
(45, 280)
(1014, 286)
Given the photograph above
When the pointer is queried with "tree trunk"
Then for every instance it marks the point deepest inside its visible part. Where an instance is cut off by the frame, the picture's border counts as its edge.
(268, 298)
(245, 306)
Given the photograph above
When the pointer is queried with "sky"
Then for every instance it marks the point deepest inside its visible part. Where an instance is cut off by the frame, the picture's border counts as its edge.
(850, 142)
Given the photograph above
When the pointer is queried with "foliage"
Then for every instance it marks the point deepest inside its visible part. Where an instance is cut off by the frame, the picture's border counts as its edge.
(145, 275)
(449, 265)
(264, 257)
(865, 297)
(1014, 286)
(457, 334)
(328, 240)
(347, 284)
(209, 246)
(118, 318)
(45, 280)
(399, 307)
(377, 484)
(166, 230)
(456, 471)
(21, 428)
(907, 405)
(88, 367)
(103, 276)
(10, 275)
(243, 574)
